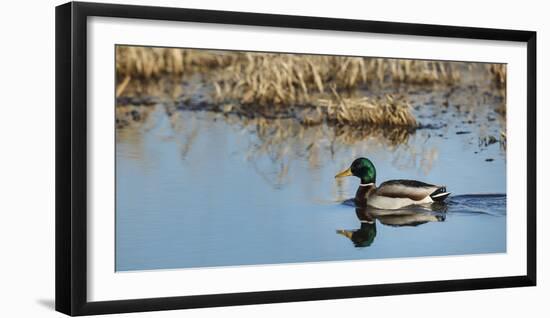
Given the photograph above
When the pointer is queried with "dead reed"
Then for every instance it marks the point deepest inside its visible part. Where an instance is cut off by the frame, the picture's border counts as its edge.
(383, 111)
(287, 79)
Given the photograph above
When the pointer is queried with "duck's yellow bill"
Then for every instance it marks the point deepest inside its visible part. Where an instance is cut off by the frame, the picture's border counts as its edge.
(345, 233)
(345, 173)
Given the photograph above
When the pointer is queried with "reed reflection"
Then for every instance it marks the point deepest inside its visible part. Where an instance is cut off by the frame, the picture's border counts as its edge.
(282, 142)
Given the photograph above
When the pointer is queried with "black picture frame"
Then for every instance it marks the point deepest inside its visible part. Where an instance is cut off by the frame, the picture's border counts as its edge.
(71, 157)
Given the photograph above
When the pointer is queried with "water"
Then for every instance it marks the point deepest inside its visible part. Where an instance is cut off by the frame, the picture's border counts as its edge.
(199, 189)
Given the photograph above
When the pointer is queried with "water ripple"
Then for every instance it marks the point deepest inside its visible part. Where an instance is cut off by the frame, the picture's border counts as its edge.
(473, 204)
(491, 204)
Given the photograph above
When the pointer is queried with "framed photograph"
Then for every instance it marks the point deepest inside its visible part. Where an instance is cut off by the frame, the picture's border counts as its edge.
(208, 158)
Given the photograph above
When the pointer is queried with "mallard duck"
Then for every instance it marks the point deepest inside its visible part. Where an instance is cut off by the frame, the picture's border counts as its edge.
(393, 194)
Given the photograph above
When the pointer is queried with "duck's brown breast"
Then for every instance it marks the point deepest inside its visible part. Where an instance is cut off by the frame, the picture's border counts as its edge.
(362, 194)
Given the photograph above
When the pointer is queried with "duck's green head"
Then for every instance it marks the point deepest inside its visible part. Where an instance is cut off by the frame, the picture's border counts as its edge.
(362, 168)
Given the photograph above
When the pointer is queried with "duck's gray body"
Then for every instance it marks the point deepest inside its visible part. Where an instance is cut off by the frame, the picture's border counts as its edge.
(396, 194)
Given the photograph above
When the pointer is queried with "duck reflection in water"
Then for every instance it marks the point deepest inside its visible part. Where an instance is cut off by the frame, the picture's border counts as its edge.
(413, 216)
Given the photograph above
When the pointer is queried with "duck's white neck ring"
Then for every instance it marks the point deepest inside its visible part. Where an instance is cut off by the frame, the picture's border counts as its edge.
(368, 222)
(366, 184)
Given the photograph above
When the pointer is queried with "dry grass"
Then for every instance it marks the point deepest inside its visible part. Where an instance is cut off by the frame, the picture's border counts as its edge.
(297, 70)
(280, 80)
(499, 74)
(287, 79)
(151, 62)
(312, 88)
(386, 111)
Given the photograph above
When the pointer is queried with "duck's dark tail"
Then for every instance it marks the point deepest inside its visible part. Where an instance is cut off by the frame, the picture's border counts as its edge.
(440, 194)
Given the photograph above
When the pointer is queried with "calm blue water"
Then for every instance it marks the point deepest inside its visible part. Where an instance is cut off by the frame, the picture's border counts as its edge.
(200, 190)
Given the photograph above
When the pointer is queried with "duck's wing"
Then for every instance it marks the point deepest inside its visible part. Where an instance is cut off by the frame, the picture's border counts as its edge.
(411, 189)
